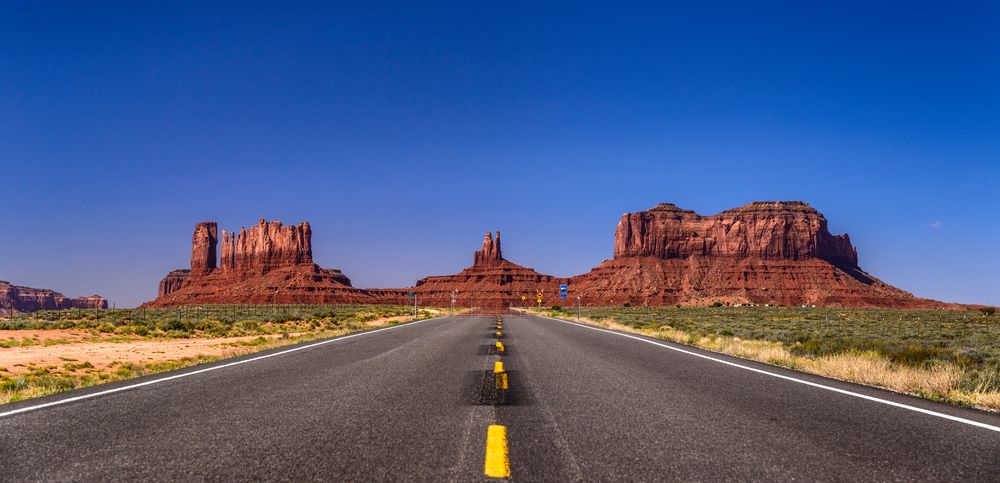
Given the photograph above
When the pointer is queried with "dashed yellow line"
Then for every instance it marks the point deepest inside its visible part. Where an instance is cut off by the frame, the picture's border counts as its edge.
(501, 381)
(497, 464)
(499, 375)
(497, 461)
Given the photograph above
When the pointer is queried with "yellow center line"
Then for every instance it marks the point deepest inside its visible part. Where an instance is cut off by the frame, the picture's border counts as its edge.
(500, 375)
(497, 462)
(501, 381)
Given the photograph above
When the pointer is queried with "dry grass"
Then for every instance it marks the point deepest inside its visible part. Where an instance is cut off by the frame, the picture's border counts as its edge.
(989, 400)
(938, 381)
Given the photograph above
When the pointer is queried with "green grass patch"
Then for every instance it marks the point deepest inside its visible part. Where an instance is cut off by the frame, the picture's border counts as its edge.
(923, 339)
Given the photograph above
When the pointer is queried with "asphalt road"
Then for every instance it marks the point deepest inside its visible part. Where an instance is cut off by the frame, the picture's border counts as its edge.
(414, 403)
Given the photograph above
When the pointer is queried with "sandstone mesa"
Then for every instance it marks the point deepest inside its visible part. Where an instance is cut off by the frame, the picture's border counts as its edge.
(26, 299)
(761, 253)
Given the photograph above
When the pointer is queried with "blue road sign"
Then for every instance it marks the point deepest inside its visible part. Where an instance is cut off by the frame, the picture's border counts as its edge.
(563, 288)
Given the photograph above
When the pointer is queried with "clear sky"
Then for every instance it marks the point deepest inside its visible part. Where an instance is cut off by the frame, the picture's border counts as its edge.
(403, 132)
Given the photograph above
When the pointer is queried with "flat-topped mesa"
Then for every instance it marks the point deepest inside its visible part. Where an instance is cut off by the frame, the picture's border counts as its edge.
(767, 252)
(203, 247)
(27, 299)
(779, 230)
(490, 254)
(265, 247)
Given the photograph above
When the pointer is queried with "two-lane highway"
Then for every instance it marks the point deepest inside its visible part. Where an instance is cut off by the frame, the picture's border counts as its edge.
(416, 402)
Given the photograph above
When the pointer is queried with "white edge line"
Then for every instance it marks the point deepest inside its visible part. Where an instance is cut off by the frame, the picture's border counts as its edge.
(788, 378)
(207, 369)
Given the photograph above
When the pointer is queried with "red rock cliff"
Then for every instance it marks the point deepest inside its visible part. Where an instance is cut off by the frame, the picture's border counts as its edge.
(203, 247)
(266, 246)
(774, 230)
(173, 281)
(490, 254)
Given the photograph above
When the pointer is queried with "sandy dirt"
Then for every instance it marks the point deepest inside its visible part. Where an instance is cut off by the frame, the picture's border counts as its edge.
(73, 346)
(101, 354)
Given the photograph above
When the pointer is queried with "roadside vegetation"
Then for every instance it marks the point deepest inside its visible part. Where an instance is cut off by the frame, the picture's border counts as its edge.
(944, 355)
(239, 329)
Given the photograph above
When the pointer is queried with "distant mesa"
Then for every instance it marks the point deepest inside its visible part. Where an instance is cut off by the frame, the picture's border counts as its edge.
(768, 252)
(491, 281)
(26, 299)
(773, 230)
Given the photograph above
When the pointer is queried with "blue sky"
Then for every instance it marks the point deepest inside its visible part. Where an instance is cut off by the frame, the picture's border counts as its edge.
(403, 132)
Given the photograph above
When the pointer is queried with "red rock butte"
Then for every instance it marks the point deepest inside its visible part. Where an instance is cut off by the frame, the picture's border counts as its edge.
(268, 263)
(491, 281)
(774, 252)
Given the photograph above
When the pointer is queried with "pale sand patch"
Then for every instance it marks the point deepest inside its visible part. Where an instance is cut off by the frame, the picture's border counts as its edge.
(101, 354)
(86, 346)
(388, 320)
